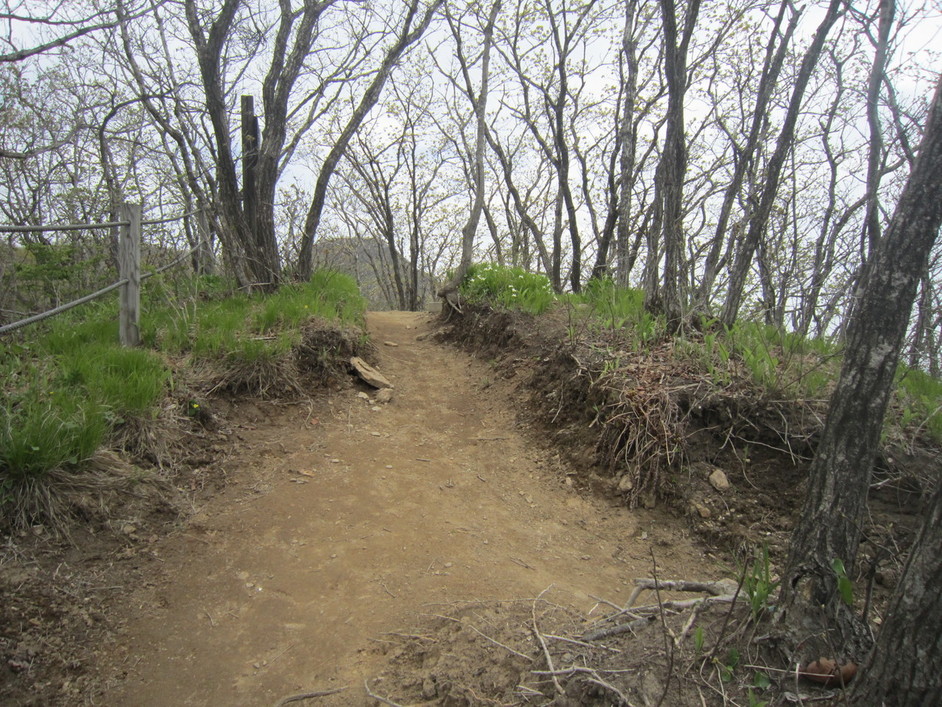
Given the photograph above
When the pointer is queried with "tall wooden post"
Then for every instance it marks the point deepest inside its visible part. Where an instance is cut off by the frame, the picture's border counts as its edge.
(129, 268)
(249, 161)
(204, 252)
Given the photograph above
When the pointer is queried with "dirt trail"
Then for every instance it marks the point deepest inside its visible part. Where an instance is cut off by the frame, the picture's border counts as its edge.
(350, 520)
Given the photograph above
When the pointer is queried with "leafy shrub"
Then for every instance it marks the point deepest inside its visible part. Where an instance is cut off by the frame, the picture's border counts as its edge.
(512, 288)
(920, 397)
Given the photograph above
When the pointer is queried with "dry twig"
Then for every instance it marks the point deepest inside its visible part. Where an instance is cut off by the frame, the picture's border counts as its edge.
(307, 696)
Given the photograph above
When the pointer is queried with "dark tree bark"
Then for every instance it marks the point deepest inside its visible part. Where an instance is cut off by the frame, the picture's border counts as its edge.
(674, 160)
(783, 146)
(830, 524)
(236, 235)
(903, 668)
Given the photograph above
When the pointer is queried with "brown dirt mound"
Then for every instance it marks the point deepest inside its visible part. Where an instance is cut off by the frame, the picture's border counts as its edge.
(652, 425)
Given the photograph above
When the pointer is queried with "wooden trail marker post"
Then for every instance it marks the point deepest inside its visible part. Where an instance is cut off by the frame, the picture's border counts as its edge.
(129, 268)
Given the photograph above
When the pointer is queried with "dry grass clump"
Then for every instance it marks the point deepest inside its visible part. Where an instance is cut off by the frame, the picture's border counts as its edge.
(53, 501)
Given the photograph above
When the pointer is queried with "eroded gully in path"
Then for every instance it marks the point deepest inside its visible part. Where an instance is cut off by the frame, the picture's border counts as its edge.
(352, 520)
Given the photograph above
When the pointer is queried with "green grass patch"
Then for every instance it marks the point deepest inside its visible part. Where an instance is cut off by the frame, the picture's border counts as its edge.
(510, 288)
(620, 308)
(71, 386)
(920, 398)
(43, 428)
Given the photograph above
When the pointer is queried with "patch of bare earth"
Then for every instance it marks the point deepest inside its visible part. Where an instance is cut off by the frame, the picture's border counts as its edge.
(348, 523)
(483, 537)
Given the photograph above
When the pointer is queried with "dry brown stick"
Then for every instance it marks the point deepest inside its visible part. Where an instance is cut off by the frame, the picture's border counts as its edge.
(307, 696)
(693, 617)
(370, 693)
(605, 601)
(617, 630)
(539, 636)
(683, 585)
(681, 604)
(572, 670)
(601, 683)
(579, 643)
(668, 645)
(498, 643)
(732, 606)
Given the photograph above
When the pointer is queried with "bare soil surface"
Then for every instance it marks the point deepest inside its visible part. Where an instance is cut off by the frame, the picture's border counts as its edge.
(347, 523)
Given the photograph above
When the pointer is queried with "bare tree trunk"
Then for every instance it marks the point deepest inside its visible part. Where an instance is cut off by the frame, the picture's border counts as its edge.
(449, 289)
(829, 527)
(619, 214)
(407, 38)
(674, 161)
(236, 236)
(774, 58)
(529, 225)
(760, 218)
(871, 232)
(904, 665)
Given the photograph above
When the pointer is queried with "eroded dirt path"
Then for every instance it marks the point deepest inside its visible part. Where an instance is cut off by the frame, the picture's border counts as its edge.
(353, 519)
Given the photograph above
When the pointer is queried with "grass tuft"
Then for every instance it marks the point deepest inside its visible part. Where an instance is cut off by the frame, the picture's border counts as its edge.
(511, 288)
(72, 389)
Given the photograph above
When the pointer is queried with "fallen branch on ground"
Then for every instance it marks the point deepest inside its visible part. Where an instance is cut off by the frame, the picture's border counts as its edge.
(307, 696)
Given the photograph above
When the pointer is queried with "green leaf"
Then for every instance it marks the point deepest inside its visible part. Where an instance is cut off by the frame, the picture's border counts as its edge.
(761, 680)
(844, 586)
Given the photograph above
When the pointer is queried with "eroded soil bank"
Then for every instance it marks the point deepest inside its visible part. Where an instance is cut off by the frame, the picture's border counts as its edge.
(348, 523)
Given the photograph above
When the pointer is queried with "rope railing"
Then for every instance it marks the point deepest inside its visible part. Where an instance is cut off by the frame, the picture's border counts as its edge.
(129, 266)
(169, 219)
(61, 308)
(62, 227)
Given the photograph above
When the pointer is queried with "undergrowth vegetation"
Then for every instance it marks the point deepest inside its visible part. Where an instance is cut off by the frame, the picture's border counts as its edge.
(512, 288)
(71, 389)
(783, 365)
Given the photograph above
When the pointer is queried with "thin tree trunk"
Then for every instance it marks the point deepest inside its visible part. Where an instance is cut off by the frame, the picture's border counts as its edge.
(772, 67)
(674, 161)
(448, 291)
(313, 219)
(871, 233)
(760, 219)
(629, 143)
(829, 527)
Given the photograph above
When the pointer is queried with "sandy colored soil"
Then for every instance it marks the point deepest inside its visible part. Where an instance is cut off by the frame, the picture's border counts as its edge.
(350, 520)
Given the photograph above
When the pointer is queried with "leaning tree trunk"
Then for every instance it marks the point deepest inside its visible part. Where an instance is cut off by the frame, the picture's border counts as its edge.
(407, 38)
(449, 290)
(830, 525)
(904, 666)
(760, 219)
(674, 161)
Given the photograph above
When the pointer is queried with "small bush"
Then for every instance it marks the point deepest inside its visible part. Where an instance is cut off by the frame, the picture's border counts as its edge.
(920, 397)
(512, 288)
(72, 387)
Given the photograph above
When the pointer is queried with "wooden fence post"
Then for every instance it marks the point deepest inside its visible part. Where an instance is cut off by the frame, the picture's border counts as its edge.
(204, 257)
(249, 161)
(129, 268)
